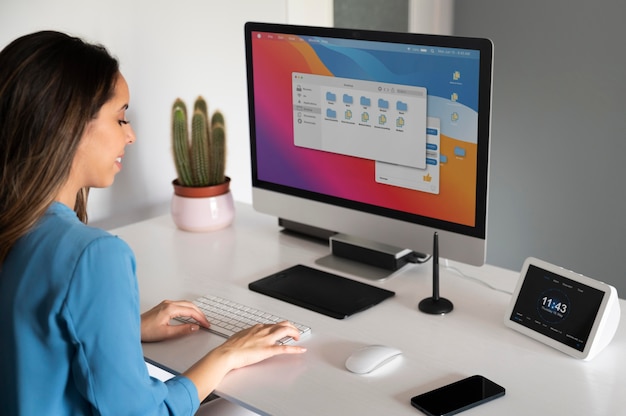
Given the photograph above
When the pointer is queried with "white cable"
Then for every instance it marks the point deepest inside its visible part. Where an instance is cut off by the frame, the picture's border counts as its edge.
(475, 279)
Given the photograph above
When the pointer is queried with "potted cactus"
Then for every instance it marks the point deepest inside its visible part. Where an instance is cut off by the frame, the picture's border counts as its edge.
(202, 199)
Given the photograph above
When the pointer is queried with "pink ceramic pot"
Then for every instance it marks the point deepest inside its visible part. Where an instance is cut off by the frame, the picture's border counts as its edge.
(201, 209)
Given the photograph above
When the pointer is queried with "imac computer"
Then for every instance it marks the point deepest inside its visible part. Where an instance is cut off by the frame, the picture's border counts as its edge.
(382, 137)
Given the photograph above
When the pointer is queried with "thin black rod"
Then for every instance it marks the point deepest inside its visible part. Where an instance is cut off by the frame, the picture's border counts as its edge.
(435, 304)
(436, 267)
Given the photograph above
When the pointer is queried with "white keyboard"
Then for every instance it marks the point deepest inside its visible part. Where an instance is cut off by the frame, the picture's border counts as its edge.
(228, 317)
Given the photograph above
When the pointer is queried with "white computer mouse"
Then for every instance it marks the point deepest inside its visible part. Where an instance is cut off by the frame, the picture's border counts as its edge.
(369, 358)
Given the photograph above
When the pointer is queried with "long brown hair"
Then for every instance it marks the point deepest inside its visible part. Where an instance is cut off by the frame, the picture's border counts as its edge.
(51, 86)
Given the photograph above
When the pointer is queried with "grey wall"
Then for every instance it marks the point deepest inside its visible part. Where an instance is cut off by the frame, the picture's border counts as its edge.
(558, 154)
(372, 14)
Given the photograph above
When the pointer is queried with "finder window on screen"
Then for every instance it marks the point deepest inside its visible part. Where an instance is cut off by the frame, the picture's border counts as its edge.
(372, 120)
(383, 124)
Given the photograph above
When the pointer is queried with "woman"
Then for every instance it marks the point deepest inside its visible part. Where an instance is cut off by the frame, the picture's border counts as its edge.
(70, 328)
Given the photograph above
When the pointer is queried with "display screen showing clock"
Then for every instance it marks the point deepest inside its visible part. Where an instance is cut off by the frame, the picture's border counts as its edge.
(557, 307)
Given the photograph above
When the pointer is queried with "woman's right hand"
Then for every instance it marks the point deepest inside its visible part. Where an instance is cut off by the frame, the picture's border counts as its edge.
(244, 348)
(259, 343)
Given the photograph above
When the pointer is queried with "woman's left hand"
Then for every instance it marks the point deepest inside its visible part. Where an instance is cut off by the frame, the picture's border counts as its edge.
(156, 323)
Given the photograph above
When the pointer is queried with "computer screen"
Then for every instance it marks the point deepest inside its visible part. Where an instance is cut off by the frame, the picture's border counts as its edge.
(380, 135)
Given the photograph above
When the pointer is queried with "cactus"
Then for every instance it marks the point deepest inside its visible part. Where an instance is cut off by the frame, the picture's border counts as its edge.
(201, 159)
(217, 153)
(180, 142)
(201, 105)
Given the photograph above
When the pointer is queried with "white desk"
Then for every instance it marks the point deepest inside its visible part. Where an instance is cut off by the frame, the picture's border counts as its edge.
(471, 340)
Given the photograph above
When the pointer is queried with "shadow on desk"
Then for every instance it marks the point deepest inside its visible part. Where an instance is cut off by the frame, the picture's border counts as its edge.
(405, 396)
(222, 407)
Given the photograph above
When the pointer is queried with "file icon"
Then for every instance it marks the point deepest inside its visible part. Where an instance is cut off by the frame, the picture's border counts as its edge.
(331, 96)
(365, 102)
(348, 99)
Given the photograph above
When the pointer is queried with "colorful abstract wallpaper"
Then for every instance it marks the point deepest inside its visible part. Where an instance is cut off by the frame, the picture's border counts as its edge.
(452, 97)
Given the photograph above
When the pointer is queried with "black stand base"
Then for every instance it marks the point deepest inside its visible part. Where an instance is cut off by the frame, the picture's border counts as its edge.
(435, 306)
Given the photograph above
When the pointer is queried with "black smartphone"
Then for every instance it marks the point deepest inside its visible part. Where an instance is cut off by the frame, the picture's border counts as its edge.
(458, 396)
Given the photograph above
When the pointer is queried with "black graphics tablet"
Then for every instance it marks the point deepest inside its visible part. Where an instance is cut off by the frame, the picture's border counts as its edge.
(320, 291)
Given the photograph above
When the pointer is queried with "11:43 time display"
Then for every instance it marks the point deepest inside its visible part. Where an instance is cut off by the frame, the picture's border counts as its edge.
(554, 304)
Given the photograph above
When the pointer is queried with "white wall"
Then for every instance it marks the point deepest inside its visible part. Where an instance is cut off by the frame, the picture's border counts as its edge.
(431, 16)
(166, 50)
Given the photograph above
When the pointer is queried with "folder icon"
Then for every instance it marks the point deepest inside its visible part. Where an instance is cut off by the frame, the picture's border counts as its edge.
(331, 96)
(401, 106)
(383, 103)
(365, 102)
(330, 113)
(459, 151)
(348, 99)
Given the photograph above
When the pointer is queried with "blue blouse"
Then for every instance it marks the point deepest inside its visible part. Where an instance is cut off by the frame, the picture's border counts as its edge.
(70, 334)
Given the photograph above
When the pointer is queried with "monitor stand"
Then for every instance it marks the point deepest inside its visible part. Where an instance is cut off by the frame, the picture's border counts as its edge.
(353, 255)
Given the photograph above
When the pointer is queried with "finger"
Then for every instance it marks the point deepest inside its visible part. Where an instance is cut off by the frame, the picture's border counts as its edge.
(179, 330)
(281, 330)
(183, 308)
(291, 349)
(286, 324)
(285, 329)
(199, 316)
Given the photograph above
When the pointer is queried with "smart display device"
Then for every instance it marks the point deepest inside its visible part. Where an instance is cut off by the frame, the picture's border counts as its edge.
(563, 309)
(377, 135)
